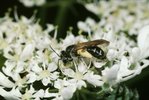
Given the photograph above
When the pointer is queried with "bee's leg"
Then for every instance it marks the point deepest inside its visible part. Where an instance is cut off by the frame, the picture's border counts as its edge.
(74, 58)
(90, 63)
(86, 63)
(59, 66)
(59, 63)
(75, 64)
(83, 61)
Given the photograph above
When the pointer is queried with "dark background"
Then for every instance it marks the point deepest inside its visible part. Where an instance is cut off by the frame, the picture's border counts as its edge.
(66, 13)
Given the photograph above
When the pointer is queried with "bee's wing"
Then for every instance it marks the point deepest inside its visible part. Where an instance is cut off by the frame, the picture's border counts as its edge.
(91, 43)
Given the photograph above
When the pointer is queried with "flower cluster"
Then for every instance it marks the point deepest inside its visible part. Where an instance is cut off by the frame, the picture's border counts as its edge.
(33, 68)
(125, 25)
(128, 16)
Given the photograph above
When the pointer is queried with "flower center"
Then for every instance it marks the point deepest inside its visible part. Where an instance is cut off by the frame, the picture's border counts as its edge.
(44, 74)
(79, 76)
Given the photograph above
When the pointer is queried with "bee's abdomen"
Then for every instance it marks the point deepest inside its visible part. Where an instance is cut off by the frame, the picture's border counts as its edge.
(96, 52)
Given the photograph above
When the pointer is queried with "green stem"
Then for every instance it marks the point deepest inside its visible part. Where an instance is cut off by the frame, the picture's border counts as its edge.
(42, 15)
(61, 16)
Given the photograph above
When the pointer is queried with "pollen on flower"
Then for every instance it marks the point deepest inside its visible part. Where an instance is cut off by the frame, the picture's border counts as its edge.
(26, 96)
(44, 74)
(78, 75)
(21, 82)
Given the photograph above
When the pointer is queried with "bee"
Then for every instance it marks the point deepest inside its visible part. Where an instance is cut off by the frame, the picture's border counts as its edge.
(91, 49)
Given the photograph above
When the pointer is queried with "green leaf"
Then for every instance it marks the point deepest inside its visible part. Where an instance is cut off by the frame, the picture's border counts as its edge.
(2, 60)
(122, 93)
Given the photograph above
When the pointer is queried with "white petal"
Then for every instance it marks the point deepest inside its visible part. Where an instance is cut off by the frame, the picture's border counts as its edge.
(54, 75)
(20, 66)
(67, 93)
(93, 79)
(52, 67)
(136, 55)
(124, 69)
(45, 81)
(58, 83)
(69, 72)
(112, 54)
(34, 67)
(9, 65)
(91, 7)
(68, 40)
(27, 52)
(50, 27)
(90, 22)
(82, 68)
(99, 64)
(32, 77)
(81, 83)
(110, 74)
(83, 26)
(143, 39)
(4, 81)
(7, 54)
(39, 93)
(14, 94)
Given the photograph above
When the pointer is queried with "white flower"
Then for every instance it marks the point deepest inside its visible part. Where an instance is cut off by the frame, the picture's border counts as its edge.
(124, 69)
(32, 94)
(130, 19)
(65, 90)
(32, 55)
(82, 74)
(112, 54)
(15, 94)
(92, 7)
(67, 41)
(83, 26)
(13, 70)
(110, 75)
(46, 73)
(43, 56)
(77, 77)
(93, 79)
(87, 26)
(135, 55)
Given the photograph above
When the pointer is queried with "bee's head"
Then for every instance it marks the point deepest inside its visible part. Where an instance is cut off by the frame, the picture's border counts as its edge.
(65, 57)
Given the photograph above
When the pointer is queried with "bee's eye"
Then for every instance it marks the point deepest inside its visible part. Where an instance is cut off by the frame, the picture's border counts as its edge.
(63, 53)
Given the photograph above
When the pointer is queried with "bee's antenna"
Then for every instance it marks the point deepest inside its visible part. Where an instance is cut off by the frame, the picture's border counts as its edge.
(54, 50)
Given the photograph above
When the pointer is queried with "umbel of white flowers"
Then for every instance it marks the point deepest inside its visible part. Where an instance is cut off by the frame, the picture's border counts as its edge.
(26, 49)
(29, 58)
